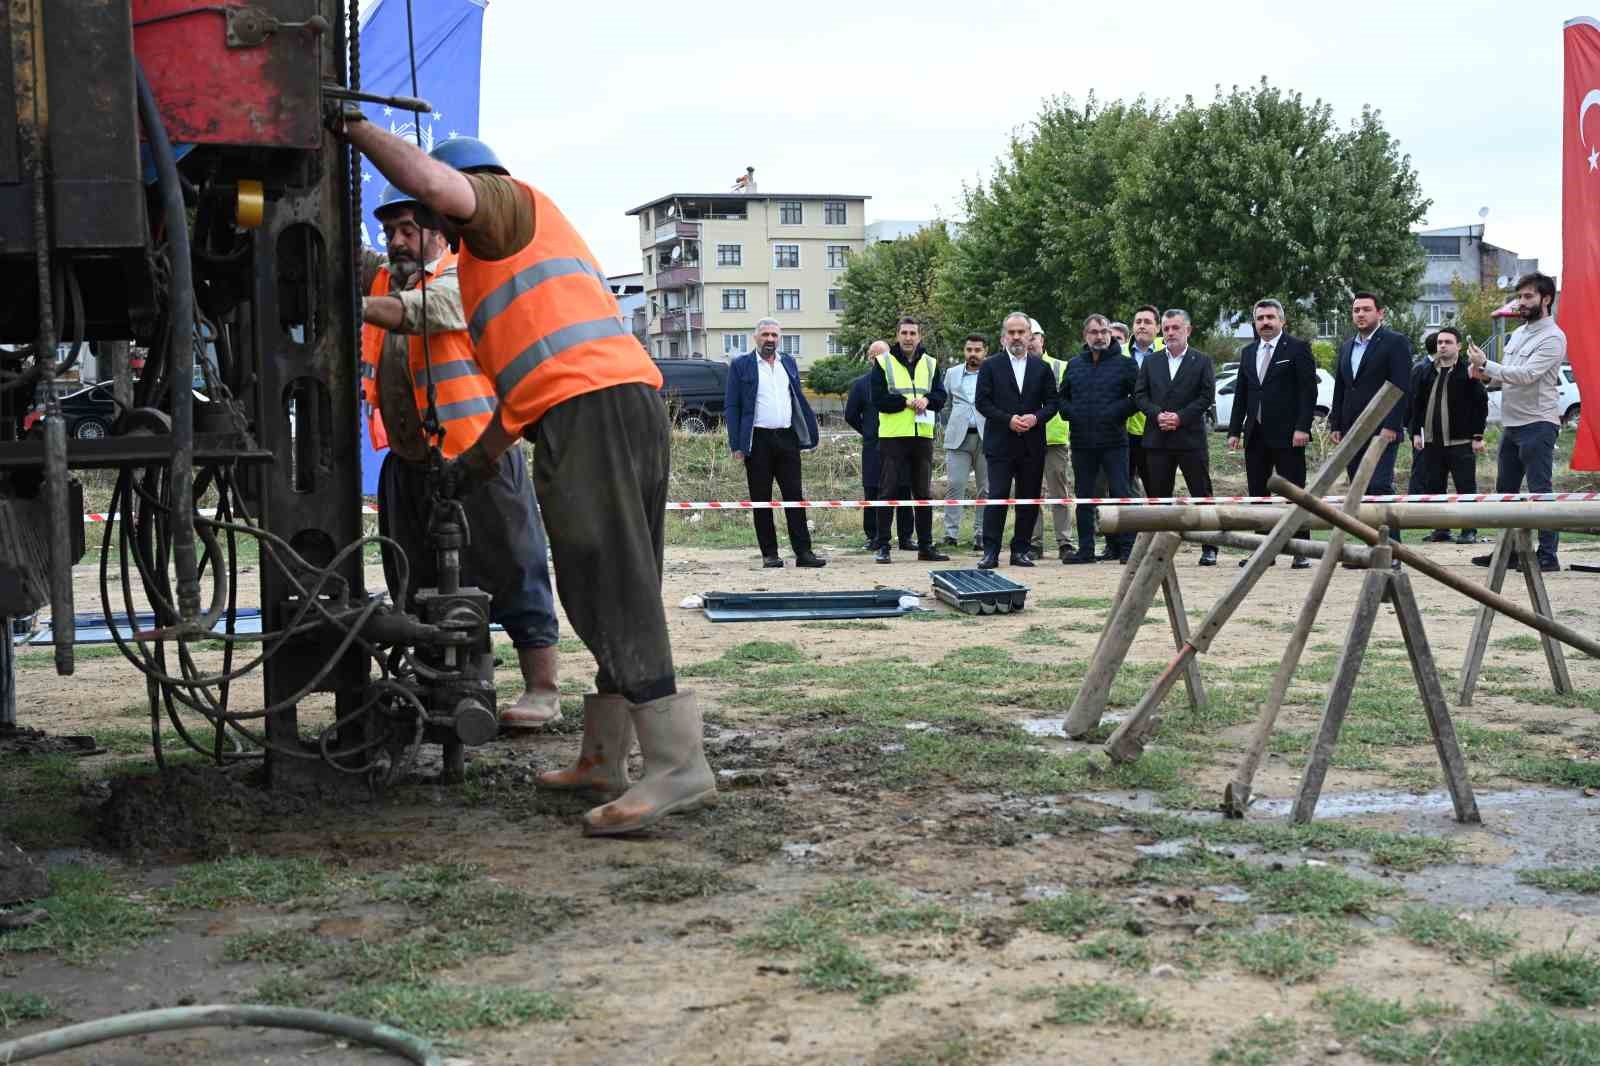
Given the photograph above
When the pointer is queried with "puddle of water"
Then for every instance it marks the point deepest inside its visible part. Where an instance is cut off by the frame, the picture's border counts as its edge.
(890, 749)
(799, 851)
(1166, 849)
(1056, 727)
(1228, 893)
(1344, 804)
(1033, 892)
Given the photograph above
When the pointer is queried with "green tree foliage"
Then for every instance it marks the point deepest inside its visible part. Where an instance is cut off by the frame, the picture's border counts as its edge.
(1259, 194)
(1326, 353)
(1474, 306)
(834, 374)
(889, 280)
(1037, 238)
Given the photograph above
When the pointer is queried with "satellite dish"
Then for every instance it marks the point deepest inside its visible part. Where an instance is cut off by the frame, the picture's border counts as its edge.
(1483, 212)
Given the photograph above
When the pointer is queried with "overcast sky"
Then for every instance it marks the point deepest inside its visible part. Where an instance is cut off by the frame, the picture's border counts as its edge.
(607, 105)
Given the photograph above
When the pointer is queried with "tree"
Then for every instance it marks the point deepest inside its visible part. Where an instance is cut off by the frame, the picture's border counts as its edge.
(834, 374)
(1259, 194)
(1036, 236)
(889, 280)
(1475, 305)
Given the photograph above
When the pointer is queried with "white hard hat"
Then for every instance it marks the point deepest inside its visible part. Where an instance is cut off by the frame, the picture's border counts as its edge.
(1033, 324)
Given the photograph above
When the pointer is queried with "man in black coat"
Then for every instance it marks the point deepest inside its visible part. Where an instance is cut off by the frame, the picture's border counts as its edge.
(1176, 387)
(1096, 398)
(1449, 410)
(1016, 396)
(862, 417)
(1274, 401)
(1374, 355)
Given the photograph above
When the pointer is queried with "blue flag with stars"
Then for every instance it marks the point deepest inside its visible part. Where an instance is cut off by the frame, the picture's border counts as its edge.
(449, 48)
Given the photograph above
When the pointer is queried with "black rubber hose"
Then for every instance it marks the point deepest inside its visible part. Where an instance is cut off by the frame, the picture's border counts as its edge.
(412, 1048)
(180, 350)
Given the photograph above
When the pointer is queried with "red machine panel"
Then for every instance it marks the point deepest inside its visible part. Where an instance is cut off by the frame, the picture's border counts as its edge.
(247, 75)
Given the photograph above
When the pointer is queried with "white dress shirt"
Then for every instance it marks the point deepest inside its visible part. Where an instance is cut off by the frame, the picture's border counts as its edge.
(773, 409)
(966, 386)
(1174, 362)
(1019, 369)
(1358, 351)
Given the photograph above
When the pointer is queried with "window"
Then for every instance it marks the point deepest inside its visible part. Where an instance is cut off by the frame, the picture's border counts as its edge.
(661, 348)
(834, 347)
(835, 300)
(674, 351)
(788, 299)
(647, 259)
(1434, 314)
(730, 255)
(789, 344)
(833, 212)
(791, 212)
(733, 299)
(735, 343)
(838, 256)
(785, 256)
(1441, 247)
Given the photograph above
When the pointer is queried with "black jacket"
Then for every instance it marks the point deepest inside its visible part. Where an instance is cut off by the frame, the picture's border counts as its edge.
(1466, 403)
(1097, 398)
(1267, 413)
(1388, 358)
(1190, 394)
(859, 412)
(997, 399)
(888, 403)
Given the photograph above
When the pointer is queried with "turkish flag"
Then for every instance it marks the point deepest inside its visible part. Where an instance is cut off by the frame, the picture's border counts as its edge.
(1580, 228)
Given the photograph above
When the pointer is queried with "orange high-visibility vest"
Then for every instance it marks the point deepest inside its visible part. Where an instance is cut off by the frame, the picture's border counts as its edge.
(371, 352)
(464, 395)
(544, 323)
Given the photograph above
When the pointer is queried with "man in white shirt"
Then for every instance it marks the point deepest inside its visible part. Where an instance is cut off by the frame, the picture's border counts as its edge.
(1530, 408)
(963, 438)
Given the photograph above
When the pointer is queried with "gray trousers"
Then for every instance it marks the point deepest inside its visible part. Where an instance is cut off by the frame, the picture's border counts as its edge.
(958, 463)
(1057, 467)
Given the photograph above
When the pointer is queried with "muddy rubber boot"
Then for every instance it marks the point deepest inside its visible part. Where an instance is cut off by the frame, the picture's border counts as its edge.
(676, 775)
(541, 700)
(602, 764)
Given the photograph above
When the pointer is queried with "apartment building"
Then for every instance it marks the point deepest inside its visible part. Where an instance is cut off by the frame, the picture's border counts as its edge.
(715, 263)
(1461, 253)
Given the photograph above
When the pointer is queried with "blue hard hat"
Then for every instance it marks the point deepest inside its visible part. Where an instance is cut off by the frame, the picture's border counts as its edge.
(393, 197)
(468, 153)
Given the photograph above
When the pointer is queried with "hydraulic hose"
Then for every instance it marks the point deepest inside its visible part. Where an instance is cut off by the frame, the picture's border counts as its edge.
(412, 1048)
(180, 351)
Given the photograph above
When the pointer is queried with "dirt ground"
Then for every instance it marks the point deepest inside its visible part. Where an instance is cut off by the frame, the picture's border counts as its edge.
(959, 820)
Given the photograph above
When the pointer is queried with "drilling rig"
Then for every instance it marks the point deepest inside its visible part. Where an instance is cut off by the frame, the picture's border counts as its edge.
(166, 182)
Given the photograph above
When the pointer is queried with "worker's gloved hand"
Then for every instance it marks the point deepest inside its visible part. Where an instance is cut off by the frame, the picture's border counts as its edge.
(339, 115)
(460, 476)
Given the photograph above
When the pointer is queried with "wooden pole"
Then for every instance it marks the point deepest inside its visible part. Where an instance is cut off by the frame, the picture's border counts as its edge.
(1090, 703)
(1236, 795)
(1433, 703)
(1141, 545)
(1196, 518)
(1299, 549)
(1173, 596)
(1560, 630)
(1479, 642)
(1539, 596)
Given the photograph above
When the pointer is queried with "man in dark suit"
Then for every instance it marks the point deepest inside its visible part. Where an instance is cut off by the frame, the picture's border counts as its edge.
(863, 418)
(769, 425)
(1374, 355)
(1016, 396)
(1176, 387)
(1274, 400)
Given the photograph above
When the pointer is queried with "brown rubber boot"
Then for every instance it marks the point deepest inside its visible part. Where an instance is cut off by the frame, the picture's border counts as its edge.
(602, 764)
(676, 775)
(541, 700)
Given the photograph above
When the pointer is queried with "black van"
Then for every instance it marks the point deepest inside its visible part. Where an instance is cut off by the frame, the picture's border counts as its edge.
(693, 389)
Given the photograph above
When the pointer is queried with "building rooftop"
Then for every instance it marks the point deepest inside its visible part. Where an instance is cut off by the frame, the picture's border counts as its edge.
(746, 196)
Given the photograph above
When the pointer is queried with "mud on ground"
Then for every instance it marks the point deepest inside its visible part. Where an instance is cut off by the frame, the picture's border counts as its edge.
(910, 864)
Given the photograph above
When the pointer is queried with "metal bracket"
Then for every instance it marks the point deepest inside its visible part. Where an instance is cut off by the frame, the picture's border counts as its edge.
(249, 27)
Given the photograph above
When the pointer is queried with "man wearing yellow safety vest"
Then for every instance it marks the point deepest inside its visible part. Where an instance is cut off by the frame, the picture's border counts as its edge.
(506, 554)
(908, 393)
(1146, 339)
(1057, 457)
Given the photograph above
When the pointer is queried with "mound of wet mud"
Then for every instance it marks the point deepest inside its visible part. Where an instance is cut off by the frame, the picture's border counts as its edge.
(197, 810)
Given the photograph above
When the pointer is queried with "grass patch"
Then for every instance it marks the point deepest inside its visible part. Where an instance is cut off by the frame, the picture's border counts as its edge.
(1289, 955)
(1312, 891)
(838, 967)
(1458, 935)
(1401, 851)
(1520, 642)
(1079, 603)
(1382, 1029)
(88, 916)
(1069, 914)
(1556, 978)
(18, 1007)
(434, 1009)
(670, 882)
(1563, 879)
(1511, 1036)
(249, 879)
(292, 946)
(288, 990)
(1121, 949)
(1098, 1003)
(1268, 1040)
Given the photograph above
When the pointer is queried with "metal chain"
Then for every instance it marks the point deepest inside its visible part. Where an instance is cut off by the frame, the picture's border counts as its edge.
(353, 79)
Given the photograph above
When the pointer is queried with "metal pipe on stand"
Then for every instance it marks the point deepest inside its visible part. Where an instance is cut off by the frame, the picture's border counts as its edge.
(1522, 514)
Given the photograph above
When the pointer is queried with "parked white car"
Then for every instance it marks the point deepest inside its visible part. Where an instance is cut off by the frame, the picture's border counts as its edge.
(1568, 394)
(1223, 409)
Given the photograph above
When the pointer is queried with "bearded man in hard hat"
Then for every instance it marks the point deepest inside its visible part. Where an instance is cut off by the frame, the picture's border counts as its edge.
(570, 377)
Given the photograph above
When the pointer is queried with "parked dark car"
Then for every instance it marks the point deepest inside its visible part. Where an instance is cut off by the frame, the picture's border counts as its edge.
(693, 389)
(90, 413)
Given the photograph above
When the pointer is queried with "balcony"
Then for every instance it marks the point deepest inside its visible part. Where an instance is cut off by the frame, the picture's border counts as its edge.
(672, 230)
(677, 321)
(678, 275)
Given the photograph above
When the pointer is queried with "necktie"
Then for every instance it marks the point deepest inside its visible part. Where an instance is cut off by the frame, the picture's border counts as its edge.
(1263, 360)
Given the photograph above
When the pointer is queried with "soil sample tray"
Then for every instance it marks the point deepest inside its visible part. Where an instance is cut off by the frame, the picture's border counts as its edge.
(978, 591)
(803, 606)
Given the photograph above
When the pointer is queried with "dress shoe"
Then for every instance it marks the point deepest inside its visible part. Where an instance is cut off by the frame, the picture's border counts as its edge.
(931, 554)
(1300, 564)
(1246, 562)
(1122, 559)
(883, 553)
(1080, 559)
(989, 561)
(1107, 555)
(1070, 547)
(1021, 559)
(1066, 552)
(809, 560)
(1483, 560)
(951, 542)
(1549, 566)
(1468, 536)
(772, 562)
(1208, 556)
(1036, 549)
(907, 546)
(870, 545)
(1438, 536)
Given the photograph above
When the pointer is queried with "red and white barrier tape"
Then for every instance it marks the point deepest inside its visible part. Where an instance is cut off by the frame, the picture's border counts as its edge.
(1051, 501)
